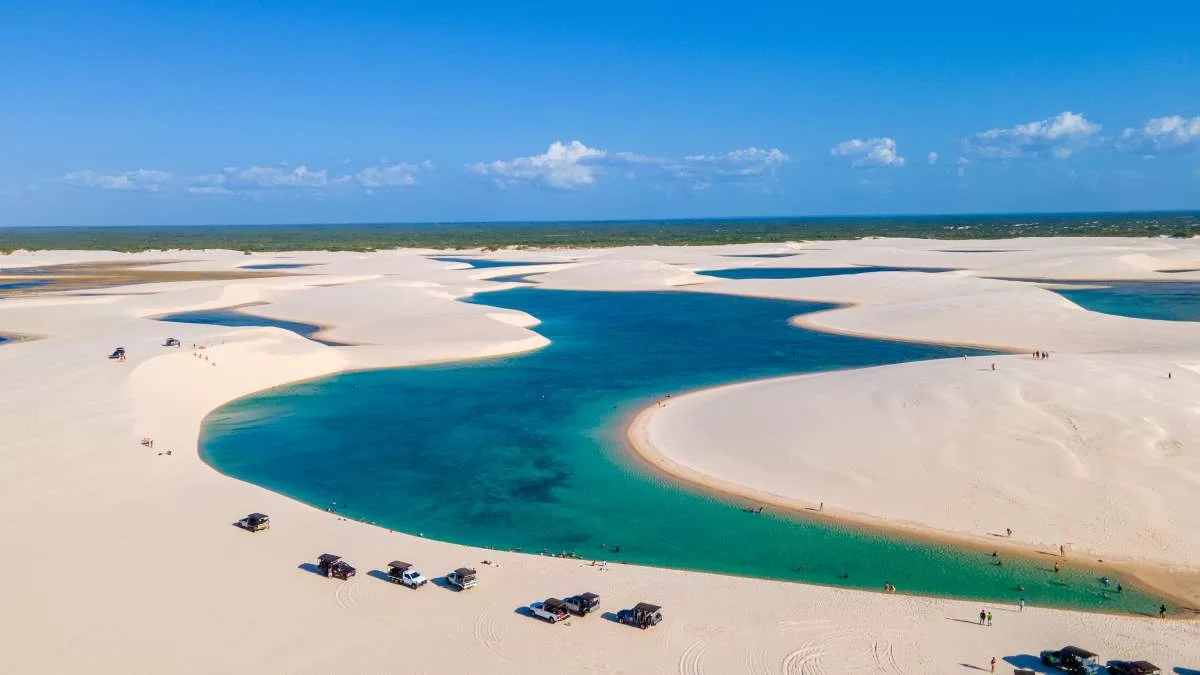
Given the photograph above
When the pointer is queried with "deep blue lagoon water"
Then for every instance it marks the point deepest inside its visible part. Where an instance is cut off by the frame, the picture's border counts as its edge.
(24, 283)
(1163, 300)
(482, 263)
(234, 318)
(807, 272)
(276, 266)
(527, 451)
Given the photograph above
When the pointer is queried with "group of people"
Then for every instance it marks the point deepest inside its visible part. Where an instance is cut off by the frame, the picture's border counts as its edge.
(985, 615)
(149, 443)
(889, 587)
(1041, 356)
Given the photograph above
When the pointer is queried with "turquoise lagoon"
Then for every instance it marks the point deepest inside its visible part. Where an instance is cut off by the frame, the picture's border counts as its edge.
(526, 452)
(1162, 300)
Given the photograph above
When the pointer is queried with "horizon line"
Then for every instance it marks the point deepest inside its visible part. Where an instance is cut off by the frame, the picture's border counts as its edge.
(611, 221)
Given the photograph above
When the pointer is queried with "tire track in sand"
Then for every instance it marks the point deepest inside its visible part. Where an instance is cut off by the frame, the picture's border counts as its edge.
(486, 636)
(691, 662)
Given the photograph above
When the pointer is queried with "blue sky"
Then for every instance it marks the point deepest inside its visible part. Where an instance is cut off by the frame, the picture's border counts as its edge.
(210, 113)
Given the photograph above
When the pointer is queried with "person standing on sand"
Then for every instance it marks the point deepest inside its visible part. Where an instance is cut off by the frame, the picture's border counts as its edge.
(1162, 611)
(1021, 604)
(989, 618)
(1062, 551)
(993, 366)
(982, 616)
(993, 664)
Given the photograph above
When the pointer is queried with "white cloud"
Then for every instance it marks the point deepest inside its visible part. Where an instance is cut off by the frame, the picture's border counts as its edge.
(750, 161)
(575, 165)
(1059, 137)
(274, 177)
(564, 166)
(1158, 134)
(209, 190)
(147, 180)
(234, 179)
(933, 158)
(393, 175)
(868, 153)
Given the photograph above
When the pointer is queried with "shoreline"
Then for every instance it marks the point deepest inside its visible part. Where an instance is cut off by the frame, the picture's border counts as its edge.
(1149, 576)
(1155, 578)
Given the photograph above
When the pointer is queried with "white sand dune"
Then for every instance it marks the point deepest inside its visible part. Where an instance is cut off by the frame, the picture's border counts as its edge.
(124, 560)
(1096, 451)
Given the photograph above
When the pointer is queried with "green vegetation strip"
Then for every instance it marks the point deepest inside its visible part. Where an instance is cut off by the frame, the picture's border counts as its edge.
(367, 237)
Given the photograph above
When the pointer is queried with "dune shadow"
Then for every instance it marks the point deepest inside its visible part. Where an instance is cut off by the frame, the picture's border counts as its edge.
(309, 567)
(1028, 662)
(524, 611)
(380, 575)
(444, 583)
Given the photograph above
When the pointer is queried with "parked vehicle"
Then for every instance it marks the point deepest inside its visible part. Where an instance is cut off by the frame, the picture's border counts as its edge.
(171, 342)
(333, 566)
(552, 610)
(118, 353)
(581, 604)
(643, 615)
(404, 574)
(1133, 668)
(255, 522)
(1071, 660)
(462, 578)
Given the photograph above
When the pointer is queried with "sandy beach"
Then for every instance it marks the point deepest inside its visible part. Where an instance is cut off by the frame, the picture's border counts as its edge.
(127, 560)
